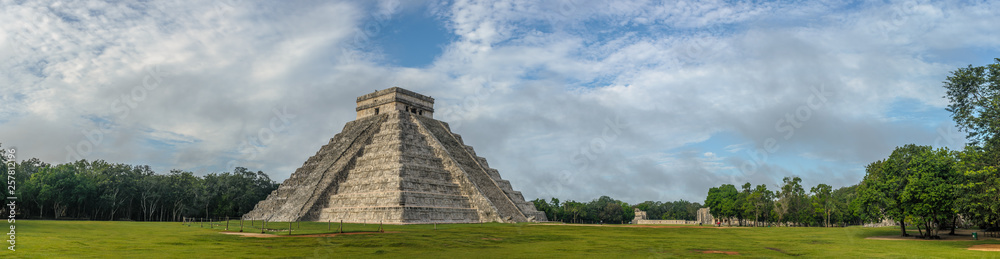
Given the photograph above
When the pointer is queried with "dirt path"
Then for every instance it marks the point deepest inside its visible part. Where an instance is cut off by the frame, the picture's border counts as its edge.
(630, 226)
(986, 247)
(911, 238)
(716, 252)
(246, 234)
(655, 226)
(960, 235)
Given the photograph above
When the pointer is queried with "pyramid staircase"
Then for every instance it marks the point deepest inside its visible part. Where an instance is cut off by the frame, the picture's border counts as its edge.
(397, 167)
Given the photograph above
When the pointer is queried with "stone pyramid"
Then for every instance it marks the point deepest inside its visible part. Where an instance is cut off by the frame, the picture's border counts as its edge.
(396, 164)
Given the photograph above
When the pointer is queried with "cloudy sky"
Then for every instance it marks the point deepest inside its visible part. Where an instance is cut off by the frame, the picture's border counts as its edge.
(638, 100)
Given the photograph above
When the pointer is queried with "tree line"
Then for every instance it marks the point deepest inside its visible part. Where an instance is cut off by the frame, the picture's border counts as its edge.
(607, 210)
(791, 205)
(98, 190)
(935, 188)
(932, 189)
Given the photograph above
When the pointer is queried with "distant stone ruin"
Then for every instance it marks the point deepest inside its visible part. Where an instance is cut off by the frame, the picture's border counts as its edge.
(704, 218)
(396, 164)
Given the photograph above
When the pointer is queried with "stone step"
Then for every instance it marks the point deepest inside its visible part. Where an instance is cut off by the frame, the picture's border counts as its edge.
(399, 198)
(397, 184)
(451, 142)
(297, 194)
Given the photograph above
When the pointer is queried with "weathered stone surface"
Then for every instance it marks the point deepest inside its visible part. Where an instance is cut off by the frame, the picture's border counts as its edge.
(704, 218)
(396, 164)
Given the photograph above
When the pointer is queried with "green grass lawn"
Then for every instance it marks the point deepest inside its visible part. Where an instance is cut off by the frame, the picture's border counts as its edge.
(60, 239)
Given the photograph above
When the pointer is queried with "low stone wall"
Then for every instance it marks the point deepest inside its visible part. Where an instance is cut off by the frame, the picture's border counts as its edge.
(704, 217)
(665, 222)
(884, 223)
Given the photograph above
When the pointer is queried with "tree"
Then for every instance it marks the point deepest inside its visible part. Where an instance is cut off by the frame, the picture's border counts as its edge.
(152, 193)
(84, 194)
(761, 201)
(574, 209)
(543, 206)
(24, 190)
(552, 210)
(100, 190)
(628, 213)
(930, 190)
(56, 186)
(743, 206)
(979, 201)
(847, 207)
(555, 209)
(605, 210)
(119, 183)
(182, 190)
(791, 200)
(611, 213)
(682, 210)
(885, 182)
(722, 202)
(974, 93)
(822, 201)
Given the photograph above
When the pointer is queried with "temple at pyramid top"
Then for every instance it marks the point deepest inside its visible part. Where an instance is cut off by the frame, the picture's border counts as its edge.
(395, 99)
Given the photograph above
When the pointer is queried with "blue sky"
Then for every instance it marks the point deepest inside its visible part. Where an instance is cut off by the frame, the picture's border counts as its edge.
(639, 100)
(412, 39)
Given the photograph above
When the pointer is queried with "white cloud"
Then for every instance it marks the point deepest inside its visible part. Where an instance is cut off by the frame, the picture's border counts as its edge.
(529, 84)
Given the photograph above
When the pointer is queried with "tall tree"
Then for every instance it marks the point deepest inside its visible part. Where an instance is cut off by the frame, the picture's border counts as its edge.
(885, 182)
(822, 201)
(761, 201)
(979, 201)
(974, 93)
(847, 207)
(575, 210)
(25, 192)
(791, 200)
(182, 190)
(556, 209)
(56, 186)
(744, 207)
(611, 213)
(544, 207)
(722, 202)
(930, 190)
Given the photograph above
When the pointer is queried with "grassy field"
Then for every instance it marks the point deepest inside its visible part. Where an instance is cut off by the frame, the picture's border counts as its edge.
(59, 239)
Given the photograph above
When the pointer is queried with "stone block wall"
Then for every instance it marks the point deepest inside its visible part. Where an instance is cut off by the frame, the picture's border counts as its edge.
(291, 200)
(704, 217)
(507, 209)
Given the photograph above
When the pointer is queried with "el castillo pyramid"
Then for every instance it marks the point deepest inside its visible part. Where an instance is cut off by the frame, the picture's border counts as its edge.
(396, 164)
